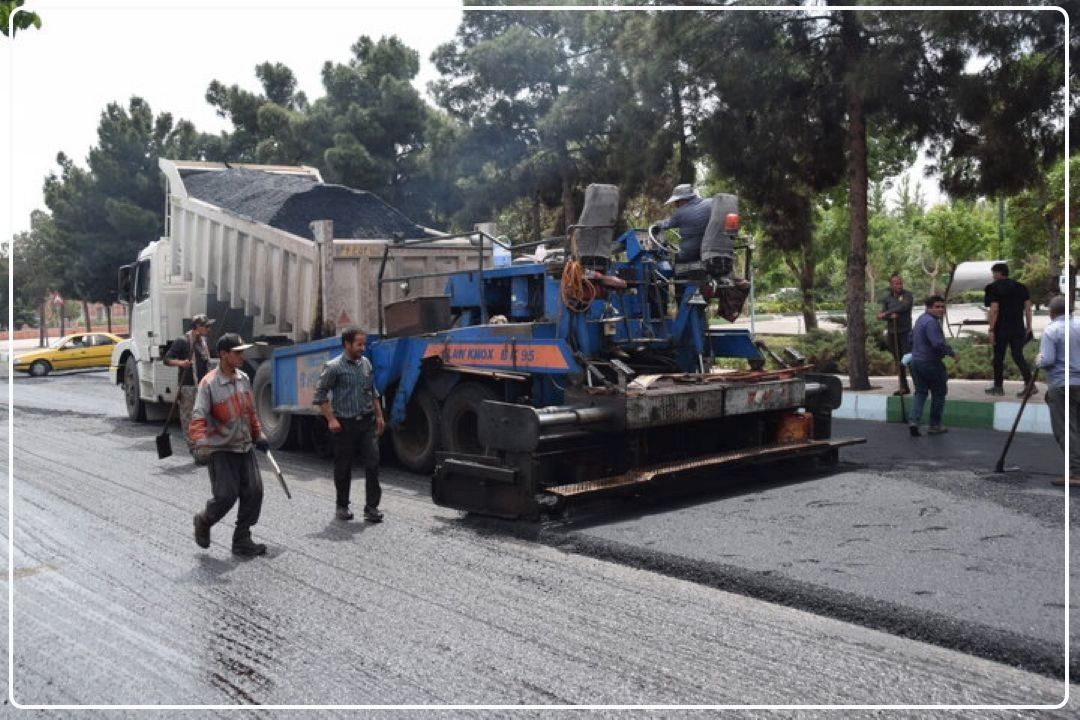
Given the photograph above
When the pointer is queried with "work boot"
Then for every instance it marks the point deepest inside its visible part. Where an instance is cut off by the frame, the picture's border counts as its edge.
(937, 430)
(995, 390)
(343, 513)
(914, 430)
(244, 545)
(372, 515)
(202, 531)
(903, 391)
(1034, 391)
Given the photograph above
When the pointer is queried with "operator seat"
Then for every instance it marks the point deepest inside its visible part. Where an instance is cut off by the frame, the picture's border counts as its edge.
(595, 230)
(718, 242)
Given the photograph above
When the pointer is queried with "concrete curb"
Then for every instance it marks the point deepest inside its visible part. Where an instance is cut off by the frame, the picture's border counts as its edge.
(958, 413)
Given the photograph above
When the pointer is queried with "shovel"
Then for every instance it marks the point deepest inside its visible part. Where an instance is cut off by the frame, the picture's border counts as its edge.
(163, 440)
(1000, 467)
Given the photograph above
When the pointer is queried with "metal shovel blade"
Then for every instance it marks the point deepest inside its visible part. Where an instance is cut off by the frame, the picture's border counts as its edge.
(164, 445)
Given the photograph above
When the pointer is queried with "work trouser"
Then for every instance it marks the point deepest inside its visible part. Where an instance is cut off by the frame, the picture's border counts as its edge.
(931, 378)
(357, 437)
(1014, 343)
(235, 476)
(1055, 401)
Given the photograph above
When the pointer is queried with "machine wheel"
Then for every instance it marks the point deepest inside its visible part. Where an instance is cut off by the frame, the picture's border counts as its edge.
(460, 431)
(136, 408)
(274, 425)
(40, 368)
(416, 440)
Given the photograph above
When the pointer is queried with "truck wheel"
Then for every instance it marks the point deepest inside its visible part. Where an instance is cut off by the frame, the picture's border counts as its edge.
(416, 440)
(274, 425)
(40, 368)
(460, 431)
(136, 408)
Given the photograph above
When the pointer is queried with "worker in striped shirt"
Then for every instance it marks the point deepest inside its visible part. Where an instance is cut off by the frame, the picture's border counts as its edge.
(347, 399)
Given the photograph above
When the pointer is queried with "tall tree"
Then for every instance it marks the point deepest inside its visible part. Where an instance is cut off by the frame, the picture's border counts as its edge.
(832, 78)
(368, 130)
(1006, 127)
(268, 127)
(36, 261)
(105, 213)
(541, 94)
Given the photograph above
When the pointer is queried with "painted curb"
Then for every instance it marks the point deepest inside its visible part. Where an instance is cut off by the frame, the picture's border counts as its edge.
(958, 413)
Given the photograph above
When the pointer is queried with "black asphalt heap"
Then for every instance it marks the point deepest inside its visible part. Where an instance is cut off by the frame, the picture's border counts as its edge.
(291, 203)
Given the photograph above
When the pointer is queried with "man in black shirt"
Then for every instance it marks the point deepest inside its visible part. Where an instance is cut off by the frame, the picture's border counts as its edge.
(1010, 324)
(896, 312)
(190, 353)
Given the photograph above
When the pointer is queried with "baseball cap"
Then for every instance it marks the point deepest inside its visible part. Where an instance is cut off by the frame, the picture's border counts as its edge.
(201, 320)
(231, 341)
(681, 192)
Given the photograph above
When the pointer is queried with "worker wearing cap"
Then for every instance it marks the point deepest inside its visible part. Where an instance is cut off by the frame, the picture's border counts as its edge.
(190, 353)
(225, 428)
(691, 216)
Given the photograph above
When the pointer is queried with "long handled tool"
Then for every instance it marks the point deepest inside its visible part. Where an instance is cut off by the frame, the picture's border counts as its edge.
(1000, 467)
(901, 373)
(164, 442)
(280, 477)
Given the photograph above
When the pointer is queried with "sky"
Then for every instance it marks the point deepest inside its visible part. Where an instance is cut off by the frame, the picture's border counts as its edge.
(59, 78)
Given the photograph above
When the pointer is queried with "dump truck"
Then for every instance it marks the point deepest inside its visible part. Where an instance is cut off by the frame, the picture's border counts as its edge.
(586, 366)
(271, 252)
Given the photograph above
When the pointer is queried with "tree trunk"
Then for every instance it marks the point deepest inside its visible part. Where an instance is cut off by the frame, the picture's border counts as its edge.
(86, 315)
(63, 330)
(1053, 253)
(570, 214)
(806, 285)
(858, 368)
(43, 329)
(535, 234)
(108, 317)
(686, 166)
(804, 275)
(932, 274)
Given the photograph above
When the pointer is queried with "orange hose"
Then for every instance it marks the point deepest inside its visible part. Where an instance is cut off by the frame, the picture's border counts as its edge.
(575, 290)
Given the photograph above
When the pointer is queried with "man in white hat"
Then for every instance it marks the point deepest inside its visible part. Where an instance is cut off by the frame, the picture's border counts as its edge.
(691, 216)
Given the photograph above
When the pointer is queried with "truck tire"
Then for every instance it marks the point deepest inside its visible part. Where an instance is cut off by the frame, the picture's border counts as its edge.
(459, 429)
(274, 425)
(416, 440)
(136, 408)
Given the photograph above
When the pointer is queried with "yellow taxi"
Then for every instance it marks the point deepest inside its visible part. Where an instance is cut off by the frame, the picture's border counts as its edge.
(81, 350)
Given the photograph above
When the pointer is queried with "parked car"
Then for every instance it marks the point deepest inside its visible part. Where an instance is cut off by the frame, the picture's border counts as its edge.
(81, 350)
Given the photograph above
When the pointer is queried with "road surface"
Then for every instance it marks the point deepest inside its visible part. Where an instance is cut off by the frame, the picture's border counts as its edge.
(115, 604)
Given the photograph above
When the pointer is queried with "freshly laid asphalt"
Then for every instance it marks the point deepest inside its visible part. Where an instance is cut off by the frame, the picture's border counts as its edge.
(112, 602)
(915, 536)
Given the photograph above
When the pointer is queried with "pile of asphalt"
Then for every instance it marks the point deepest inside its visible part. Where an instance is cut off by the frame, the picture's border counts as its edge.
(291, 203)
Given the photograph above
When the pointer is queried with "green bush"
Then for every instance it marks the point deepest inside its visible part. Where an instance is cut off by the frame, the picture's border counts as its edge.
(827, 351)
(973, 360)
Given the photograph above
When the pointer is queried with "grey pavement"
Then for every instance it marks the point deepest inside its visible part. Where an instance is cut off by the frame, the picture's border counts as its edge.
(113, 602)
